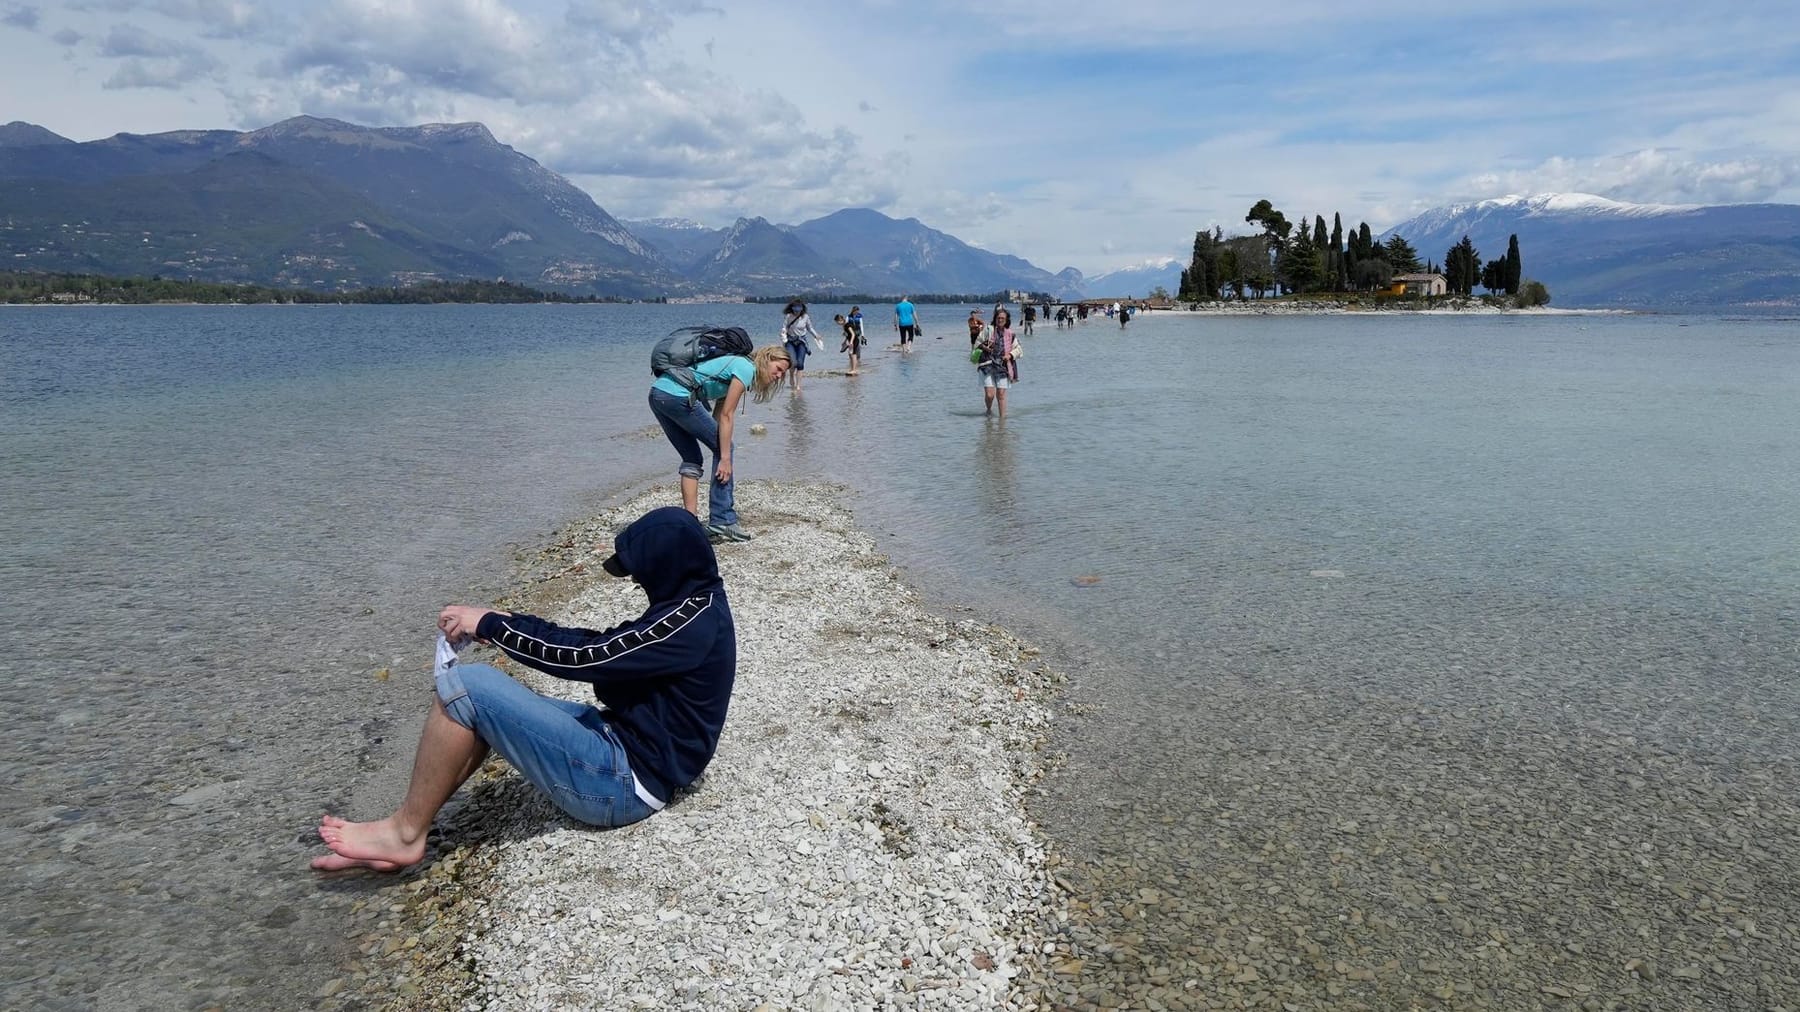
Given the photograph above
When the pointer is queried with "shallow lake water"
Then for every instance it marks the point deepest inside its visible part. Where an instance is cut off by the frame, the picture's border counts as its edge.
(1302, 539)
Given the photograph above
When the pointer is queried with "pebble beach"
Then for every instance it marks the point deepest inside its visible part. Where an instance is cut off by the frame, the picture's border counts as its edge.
(864, 838)
(859, 840)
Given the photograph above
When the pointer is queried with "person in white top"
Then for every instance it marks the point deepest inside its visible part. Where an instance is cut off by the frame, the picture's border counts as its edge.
(797, 330)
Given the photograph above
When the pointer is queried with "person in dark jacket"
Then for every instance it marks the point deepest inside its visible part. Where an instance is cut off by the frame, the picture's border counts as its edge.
(663, 682)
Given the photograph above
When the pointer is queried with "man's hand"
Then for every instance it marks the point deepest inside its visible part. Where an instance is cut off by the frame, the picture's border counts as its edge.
(458, 622)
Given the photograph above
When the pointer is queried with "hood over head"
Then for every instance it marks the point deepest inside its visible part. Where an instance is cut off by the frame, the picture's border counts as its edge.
(667, 553)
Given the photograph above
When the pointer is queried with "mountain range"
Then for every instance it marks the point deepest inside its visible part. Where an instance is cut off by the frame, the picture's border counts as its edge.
(314, 203)
(853, 250)
(1593, 252)
(1138, 280)
(324, 204)
(328, 205)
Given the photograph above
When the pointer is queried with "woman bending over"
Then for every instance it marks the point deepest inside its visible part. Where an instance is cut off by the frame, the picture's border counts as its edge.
(703, 416)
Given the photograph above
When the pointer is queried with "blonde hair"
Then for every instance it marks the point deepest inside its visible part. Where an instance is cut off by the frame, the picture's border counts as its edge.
(763, 386)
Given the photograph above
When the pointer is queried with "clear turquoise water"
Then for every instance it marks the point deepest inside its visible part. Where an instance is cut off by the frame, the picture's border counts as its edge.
(217, 523)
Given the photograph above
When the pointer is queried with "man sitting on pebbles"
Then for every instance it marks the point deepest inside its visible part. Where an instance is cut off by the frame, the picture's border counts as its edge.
(664, 680)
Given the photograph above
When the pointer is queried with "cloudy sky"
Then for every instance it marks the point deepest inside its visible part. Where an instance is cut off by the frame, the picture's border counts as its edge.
(1069, 132)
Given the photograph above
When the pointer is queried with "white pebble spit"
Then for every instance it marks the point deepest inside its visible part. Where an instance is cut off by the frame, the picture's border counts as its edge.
(859, 840)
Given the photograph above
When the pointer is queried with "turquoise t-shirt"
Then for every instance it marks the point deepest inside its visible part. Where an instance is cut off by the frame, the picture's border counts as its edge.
(715, 376)
(903, 312)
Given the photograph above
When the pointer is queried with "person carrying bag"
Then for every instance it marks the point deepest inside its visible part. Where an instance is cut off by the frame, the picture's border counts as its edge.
(993, 356)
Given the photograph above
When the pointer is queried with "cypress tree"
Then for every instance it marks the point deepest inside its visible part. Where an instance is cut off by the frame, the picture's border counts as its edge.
(1340, 273)
(1462, 267)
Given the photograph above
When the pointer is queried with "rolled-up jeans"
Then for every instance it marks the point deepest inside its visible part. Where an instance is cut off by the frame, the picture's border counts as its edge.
(690, 426)
(566, 749)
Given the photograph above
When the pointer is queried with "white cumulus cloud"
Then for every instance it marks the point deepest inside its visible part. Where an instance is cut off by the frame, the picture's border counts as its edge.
(1653, 176)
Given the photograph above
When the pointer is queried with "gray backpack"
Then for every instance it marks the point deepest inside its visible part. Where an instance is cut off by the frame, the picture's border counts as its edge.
(676, 355)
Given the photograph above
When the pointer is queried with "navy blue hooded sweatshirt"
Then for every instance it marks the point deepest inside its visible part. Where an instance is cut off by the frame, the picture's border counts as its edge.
(665, 678)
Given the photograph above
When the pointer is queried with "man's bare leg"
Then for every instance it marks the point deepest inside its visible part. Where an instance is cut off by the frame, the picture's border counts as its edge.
(449, 754)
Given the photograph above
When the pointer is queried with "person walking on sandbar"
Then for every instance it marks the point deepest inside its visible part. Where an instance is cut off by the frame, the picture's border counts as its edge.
(906, 321)
(796, 331)
(993, 357)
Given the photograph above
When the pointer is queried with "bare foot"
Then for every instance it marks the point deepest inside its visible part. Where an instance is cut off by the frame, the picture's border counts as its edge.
(379, 845)
(332, 862)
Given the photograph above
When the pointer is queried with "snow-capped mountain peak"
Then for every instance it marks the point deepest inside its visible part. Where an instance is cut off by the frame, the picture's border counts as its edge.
(1537, 205)
(1594, 251)
(1138, 279)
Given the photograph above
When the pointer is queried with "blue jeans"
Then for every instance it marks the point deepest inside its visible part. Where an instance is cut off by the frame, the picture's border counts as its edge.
(690, 426)
(561, 746)
(797, 351)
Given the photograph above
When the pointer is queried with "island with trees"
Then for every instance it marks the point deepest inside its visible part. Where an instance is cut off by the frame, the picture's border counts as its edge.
(1298, 263)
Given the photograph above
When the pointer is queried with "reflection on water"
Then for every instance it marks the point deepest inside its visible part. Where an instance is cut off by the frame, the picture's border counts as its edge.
(851, 403)
(997, 483)
(797, 413)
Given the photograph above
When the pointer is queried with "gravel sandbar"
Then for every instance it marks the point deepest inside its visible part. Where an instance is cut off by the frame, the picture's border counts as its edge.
(859, 840)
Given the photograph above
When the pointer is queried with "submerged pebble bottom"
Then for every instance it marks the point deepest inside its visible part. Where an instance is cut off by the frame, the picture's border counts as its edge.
(1382, 855)
(1499, 804)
